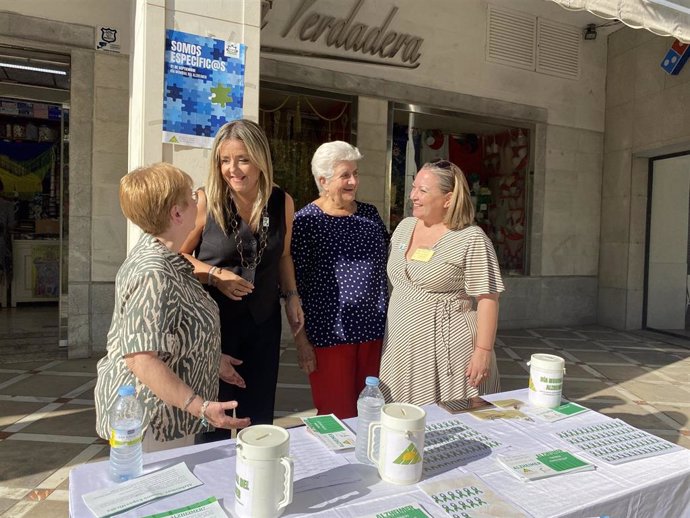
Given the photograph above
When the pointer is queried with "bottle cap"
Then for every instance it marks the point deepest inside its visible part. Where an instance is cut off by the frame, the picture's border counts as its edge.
(372, 381)
(126, 390)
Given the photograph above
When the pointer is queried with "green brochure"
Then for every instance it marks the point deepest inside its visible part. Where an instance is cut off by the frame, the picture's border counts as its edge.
(407, 511)
(533, 466)
(331, 431)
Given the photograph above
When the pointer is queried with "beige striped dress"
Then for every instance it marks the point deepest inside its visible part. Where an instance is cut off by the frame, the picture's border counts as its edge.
(432, 326)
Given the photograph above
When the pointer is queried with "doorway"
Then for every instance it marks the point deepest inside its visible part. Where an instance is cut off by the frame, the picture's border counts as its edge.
(495, 156)
(34, 202)
(297, 121)
(667, 279)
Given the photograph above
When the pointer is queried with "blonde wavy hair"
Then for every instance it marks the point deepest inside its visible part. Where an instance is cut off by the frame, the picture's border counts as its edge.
(451, 179)
(218, 192)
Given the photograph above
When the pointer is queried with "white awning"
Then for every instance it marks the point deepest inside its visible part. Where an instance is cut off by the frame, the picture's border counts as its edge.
(662, 17)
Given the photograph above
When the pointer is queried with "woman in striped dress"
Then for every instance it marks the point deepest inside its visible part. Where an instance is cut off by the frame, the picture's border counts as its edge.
(443, 311)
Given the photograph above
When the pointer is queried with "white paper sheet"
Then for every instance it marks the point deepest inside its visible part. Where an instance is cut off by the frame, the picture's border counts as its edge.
(316, 466)
(467, 496)
(616, 442)
(450, 443)
(138, 491)
(551, 415)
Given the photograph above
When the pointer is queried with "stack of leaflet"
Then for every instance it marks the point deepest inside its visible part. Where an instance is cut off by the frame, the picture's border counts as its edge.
(533, 466)
(614, 441)
(331, 431)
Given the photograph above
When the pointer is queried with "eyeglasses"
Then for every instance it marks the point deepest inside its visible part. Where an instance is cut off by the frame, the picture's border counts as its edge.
(195, 196)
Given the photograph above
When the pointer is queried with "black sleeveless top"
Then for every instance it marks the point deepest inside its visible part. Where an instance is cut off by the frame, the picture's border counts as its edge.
(219, 249)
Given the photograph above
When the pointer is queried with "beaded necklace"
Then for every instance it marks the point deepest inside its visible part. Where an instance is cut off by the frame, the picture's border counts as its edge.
(249, 266)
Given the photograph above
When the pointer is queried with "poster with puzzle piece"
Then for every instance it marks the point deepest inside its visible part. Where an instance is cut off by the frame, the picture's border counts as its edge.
(203, 87)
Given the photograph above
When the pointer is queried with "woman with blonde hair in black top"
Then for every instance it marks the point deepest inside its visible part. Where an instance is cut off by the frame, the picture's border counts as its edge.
(241, 252)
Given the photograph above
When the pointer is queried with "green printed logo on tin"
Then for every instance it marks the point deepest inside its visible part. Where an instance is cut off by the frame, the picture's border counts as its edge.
(241, 482)
(409, 456)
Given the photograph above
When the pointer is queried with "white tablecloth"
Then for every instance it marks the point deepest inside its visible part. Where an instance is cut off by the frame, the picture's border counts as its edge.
(652, 487)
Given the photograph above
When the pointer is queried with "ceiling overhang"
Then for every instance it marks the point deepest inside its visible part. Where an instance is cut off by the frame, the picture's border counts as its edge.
(662, 17)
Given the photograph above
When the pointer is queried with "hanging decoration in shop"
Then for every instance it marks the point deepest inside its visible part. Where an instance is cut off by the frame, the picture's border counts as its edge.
(385, 45)
(410, 166)
(496, 167)
(296, 125)
(26, 176)
(297, 116)
(204, 87)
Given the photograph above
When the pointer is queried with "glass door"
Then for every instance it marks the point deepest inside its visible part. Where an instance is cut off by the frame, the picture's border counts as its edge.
(34, 121)
(668, 255)
(495, 157)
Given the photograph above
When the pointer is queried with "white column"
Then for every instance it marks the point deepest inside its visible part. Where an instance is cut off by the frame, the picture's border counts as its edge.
(234, 20)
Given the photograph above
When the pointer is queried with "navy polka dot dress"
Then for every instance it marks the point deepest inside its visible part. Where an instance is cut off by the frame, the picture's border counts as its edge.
(340, 263)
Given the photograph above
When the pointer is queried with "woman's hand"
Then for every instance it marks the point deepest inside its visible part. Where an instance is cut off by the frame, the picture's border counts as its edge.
(294, 313)
(306, 357)
(216, 416)
(228, 373)
(479, 367)
(232, 285)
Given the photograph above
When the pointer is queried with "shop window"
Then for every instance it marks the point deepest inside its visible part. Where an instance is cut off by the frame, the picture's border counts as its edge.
(297, 122)
(33, 198)
(495, 159)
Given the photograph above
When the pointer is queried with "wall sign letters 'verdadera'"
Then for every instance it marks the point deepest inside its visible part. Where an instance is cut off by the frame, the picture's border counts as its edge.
(353, 36)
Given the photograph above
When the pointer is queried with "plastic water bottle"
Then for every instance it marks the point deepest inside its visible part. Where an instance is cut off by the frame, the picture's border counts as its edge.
(368, 411)
(126, 460)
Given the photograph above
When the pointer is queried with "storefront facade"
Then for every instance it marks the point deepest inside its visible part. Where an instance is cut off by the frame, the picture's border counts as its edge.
(557, 140)
(92, 232)
(442, 66)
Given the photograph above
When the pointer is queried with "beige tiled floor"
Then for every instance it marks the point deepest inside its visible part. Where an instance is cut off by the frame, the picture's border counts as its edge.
(47, 416)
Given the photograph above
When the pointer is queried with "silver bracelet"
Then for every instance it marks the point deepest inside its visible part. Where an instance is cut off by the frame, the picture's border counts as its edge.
(209, 280)
(290, 293)
(219, 270)
(202, 414)
(188, 401)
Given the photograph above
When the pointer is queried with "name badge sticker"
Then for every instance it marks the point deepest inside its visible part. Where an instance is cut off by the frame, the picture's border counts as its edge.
(423, 255)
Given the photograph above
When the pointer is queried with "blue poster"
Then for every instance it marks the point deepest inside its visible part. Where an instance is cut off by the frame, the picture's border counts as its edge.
(204, 87)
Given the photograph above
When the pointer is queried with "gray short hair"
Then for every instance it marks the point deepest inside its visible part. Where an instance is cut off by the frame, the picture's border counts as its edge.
(328, 155)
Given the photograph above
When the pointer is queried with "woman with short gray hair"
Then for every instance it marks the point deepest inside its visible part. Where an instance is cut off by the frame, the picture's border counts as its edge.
(327, 155)
(339, 247)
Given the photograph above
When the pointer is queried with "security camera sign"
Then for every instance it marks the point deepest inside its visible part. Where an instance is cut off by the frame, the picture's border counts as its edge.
(108, 39)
